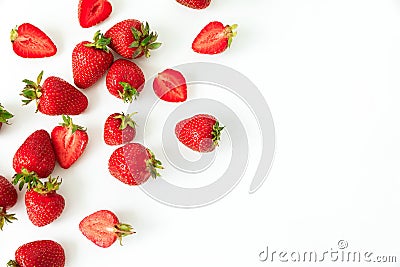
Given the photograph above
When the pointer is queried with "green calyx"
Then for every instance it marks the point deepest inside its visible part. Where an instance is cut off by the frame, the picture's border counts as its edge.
(216, 133)
(5, 218)
(153, 164)
(100, 42)
(145, 40)
(4, 115)
(33, 182)
(126, 120)
(13, 263)
(230, 32)
(32, 91)
(128, 92)
(51, 185)
(122, 230)
(67, 122)
(14, 34)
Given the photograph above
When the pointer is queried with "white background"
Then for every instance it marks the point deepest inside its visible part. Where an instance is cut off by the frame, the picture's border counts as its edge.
(329, 72)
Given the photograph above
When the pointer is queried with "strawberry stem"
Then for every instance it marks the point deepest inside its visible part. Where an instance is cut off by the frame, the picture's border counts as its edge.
(67, 122)
(126, 120)
(31, 179)
(123, 230)
(14, 34)
(230, 32)
(5, 218)
(145, 40)
(216, 133)
(13, 263)
(100, 42)
(4, 115)
(153, 164)
(128, 93)
(32, 90)
(49, 186)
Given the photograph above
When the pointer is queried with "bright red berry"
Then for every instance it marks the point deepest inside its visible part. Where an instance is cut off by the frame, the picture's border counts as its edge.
(195, 4)
(8, 199)
(119, 129)
(170, 85)
(92, 12)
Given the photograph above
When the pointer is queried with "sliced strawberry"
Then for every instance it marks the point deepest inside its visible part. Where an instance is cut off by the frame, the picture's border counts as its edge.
(170, 86)
(214, 38)
(92, 12)
(29, 41)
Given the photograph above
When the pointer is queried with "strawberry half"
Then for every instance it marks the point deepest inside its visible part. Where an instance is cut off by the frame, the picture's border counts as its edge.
(69, 142)
(28, 41)
(41, 253)
(195, 4)
(54, 97)
(8, 199)
(132, 39)
(200, 133)
(170, 86)
(92, 12)
(103, 228)
(214, 38)
(119, 129)
(4, 116)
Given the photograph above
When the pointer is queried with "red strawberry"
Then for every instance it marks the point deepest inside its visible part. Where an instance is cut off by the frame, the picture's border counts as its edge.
(119, 129)
(55, 96)
(36, 154)
(41, 253)
(214, 38)
(8, 199)
(170, 86)
(92, 12)
(69, 142)
(133, 164)
(103, 228)
(132, 39)
(28, 41)
(4, 116)
(125, 80)
(90, 61)
(200, 133)
(195, 4)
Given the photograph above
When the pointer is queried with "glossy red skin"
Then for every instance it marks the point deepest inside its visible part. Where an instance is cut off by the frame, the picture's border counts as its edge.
(128, 164)
(41, 253)
(68, 146)
(113, 136)
(195, 4)
(123, 70)
(61, 98)
(36, 154)
(196, 132)
(170, 85)
(8, 194)
(43, 209)
(89, 64)
(211, 39)
(98, 228)
(92, 12)
(38, 46)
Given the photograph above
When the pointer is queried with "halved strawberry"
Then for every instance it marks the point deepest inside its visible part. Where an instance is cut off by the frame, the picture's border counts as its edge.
(170, 86)
(92, 12)
(29, 41)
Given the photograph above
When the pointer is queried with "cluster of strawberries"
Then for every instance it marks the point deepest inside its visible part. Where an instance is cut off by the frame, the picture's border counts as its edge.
(131, 163)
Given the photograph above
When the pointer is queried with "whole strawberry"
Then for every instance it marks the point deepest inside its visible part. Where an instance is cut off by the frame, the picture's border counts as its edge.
(4, 116)
(55, 96)
(36, 154)
(41, 253)
(214, 38)
(8, 199)
(132, 39)
(133, 164)
(92, 12)
(119, 129)
(200, 133)
(195, 4)
(90, 61)
(29, 41)
(125, 80)
(69, 142)
(103, 228)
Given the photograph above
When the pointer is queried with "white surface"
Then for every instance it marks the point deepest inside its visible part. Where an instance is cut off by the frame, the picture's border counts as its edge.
(329, 71)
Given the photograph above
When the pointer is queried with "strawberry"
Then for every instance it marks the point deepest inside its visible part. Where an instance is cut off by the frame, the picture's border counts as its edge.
(200, 133)
(8, 199)
(54, 97)
(119, 129)
(103, 228)
(214, 38)
(90, 61)
(69, 142)
(4, 116)
(41, 253)
(36, 154)
(43, 204)
(170, 86)
(133, 164)
(125, 80)
(29, 41)
(132, 39)
(92, 12)
(195, 4)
